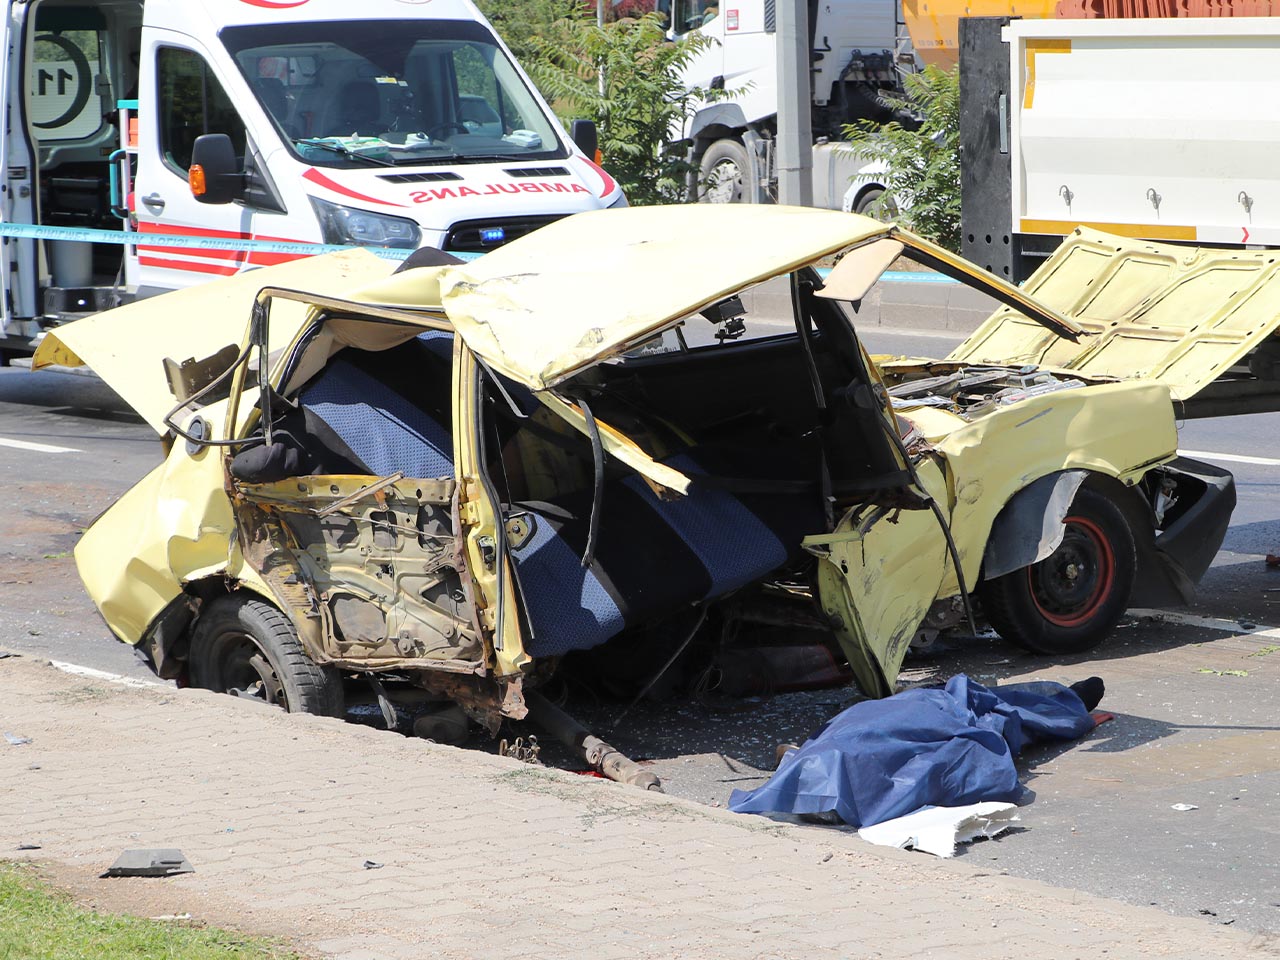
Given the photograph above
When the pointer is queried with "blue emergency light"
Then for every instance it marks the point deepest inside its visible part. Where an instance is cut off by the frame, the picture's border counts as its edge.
(492, 234)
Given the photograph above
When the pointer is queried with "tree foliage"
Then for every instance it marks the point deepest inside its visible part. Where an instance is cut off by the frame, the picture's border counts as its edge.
(642, 96)
(521, 23)
(922, 165)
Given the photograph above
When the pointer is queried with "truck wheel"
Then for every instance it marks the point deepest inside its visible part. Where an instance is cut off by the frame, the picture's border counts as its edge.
(1069, 601)
(724, 173)
(872, 204)
(246, 647)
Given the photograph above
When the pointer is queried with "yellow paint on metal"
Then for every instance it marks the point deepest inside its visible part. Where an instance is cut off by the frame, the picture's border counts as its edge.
(1033, 48)
(541, 318)
(1146, 231)
(176, 521)
(1180, 316)
(126, 346)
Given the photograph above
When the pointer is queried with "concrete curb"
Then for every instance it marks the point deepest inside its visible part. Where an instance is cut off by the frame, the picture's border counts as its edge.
(486, 856)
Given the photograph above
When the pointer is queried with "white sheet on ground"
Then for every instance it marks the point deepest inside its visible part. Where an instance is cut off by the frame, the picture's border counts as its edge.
(937, 830)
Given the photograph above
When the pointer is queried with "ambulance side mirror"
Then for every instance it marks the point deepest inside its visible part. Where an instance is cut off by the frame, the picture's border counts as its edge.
(583, 133)
(215, 175)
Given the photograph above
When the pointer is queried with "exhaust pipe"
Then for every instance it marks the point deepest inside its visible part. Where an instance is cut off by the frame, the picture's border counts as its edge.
(597, 754)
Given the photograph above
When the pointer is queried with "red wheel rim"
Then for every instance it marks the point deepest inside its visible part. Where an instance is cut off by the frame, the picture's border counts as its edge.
(1070, 585)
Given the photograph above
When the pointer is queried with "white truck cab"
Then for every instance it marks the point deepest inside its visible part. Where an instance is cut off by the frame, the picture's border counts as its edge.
(389, 123)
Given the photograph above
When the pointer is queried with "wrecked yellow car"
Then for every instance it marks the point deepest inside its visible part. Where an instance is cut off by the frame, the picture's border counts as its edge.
(458, 475)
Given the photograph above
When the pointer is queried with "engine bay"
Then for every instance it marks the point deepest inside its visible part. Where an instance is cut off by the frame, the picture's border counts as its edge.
(973, 392)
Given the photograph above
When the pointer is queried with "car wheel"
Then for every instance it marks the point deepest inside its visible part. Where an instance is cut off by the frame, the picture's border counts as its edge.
(246, 647)
(1069, 601)
(723, 173)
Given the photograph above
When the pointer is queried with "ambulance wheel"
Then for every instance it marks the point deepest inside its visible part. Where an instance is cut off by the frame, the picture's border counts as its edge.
(1069, 601)
(724, 173)
(245, 647)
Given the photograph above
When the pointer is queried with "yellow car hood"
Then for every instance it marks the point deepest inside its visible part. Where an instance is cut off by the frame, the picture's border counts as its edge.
(1181, 316)
(126, 347)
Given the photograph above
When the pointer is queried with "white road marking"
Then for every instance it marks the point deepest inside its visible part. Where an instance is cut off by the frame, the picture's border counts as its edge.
(1208, 623)
(1230, 457)
(36, 447)
(79, 671)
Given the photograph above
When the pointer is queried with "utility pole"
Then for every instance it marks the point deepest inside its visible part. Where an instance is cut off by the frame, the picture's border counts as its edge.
(600, 23)
(795, 123)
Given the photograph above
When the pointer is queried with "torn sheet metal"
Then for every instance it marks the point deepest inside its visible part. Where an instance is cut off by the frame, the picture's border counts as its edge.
(938, 830)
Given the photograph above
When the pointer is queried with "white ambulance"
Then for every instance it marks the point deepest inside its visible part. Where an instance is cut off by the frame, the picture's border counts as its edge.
(392, 124)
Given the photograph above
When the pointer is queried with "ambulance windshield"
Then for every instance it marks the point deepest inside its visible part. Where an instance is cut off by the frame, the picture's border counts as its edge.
(353, 92)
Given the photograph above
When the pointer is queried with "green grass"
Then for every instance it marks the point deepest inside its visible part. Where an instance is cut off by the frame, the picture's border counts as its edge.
(37, 923)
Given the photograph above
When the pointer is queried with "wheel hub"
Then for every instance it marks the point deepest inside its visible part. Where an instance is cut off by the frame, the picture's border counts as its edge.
(1070, 584)
(248, 674)
(724, 180)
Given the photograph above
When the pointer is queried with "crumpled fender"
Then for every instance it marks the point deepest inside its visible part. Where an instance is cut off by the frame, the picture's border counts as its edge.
(1031, 524)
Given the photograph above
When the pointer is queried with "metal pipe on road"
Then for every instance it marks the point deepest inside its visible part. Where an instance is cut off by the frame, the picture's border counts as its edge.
(795, 124)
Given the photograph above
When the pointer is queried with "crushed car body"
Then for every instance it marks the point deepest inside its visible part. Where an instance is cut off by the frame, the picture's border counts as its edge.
(461, 474)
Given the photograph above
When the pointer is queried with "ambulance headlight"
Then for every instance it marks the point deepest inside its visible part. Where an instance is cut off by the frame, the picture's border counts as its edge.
(347, 225)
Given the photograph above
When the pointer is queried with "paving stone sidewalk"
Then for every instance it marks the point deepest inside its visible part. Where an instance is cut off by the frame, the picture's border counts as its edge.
(485, 857)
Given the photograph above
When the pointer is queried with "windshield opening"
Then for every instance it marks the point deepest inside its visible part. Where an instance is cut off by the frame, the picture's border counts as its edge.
(353, 92)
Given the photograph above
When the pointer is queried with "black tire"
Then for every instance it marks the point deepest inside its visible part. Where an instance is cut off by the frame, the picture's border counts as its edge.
(723, 173)
(244, 646)
(871, 204)
(1070, 601)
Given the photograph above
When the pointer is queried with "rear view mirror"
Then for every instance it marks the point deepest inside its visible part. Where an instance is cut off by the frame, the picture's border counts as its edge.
(215, 175)
(583, 133)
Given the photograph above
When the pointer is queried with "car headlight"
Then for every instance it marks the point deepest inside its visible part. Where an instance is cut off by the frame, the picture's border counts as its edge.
(347, 225)
(619, 203)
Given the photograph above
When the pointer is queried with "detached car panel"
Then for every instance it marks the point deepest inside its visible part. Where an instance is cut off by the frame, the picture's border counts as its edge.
(465, 477)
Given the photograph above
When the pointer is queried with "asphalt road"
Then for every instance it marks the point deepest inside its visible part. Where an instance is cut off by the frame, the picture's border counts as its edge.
(1193, 698)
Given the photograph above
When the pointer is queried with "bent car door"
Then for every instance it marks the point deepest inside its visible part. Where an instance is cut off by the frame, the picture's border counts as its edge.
(348, 509)
(1178, 315)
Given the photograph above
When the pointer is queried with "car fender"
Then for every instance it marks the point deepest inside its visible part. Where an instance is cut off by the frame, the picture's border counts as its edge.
(1031, 524)
(1117, 431)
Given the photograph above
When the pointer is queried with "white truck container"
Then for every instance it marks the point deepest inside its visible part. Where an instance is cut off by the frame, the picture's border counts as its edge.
(388, 123)
(1160, 128)
(858, 48)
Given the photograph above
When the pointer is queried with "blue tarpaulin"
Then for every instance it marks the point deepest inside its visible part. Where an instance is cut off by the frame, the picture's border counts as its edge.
(947, 747)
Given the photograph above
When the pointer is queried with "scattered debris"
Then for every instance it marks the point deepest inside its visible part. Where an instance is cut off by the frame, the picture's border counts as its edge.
(828, 857)
(1184, 807)
(522, 750)
(1247, 625)
(15, 740)
(1224, 673)
(29, 846)
(938, 830)
(372, 865)
(1265, 651)
(171, 917)
(149, 863)
(5, 654)
(1206, 913)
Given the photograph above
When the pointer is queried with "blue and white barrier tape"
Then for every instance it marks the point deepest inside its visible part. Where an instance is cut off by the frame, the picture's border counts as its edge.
(29, 231)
